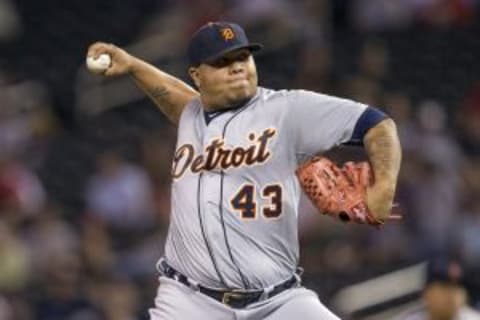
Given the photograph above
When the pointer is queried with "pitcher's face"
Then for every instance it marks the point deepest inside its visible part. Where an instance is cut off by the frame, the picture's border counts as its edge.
(227, 80)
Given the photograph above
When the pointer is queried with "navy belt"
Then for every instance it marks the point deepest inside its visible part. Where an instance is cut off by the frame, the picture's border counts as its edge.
(233, 298)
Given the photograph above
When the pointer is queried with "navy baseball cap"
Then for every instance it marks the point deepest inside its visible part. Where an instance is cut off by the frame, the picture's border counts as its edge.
(214, 39)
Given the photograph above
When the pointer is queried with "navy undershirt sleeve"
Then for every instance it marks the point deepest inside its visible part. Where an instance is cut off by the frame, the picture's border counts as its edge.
(369, 118)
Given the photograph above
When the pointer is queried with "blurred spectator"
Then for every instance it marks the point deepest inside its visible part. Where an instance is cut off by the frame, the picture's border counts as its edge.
(392, 246)
(14, 261)
(468, 118)
(436, 193)
(6, 312)
(120, 300)
(157, 155)
(468, 236)
(469, 239)
(47, 236)
(398, 105)
(315, 69)
(97, 249)
(10, 22)
(120, 193)
(373, 60)
(363, 89)
(20, 189)
(316, 17)
(366, 82)
(442, 13)
(375, 15)
(203, 11)
(26, 120)
(437, 144)
(62, 294)
(444, 296)
(267, 19)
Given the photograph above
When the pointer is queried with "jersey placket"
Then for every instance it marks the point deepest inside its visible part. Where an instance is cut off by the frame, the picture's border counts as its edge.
(210, 188)
(212, 198)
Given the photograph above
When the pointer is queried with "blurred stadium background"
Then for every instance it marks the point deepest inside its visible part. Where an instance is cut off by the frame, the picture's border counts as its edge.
(84, 161)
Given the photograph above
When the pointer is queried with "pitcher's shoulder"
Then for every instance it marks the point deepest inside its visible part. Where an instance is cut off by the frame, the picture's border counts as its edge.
(268, 93)
(193, 107)
(300, 95)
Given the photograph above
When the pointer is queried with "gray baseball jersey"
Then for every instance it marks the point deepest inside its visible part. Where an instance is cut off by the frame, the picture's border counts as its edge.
(234, 192)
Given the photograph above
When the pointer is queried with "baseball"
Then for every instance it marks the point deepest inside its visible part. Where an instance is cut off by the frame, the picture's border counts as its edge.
(100, 64)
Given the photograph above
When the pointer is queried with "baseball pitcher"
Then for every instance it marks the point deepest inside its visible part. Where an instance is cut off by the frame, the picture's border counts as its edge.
(232, 248)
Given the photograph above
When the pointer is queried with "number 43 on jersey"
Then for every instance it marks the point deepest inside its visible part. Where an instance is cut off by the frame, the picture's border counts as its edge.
(244, 201)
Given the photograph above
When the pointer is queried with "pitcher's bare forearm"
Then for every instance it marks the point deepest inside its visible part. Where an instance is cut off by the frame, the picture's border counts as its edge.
(170, 94)
(385, 154)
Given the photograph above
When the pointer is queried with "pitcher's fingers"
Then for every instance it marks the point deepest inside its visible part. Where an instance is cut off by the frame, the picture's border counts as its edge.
(111, 71)
(97, 48)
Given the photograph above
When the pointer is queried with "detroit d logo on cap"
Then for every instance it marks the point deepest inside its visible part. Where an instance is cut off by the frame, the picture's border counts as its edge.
(227, 34)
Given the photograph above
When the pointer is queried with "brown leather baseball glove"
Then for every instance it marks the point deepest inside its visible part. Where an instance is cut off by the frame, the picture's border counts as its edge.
(339, 192)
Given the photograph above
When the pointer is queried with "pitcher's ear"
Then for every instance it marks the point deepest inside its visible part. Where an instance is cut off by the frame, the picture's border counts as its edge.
(195, 75)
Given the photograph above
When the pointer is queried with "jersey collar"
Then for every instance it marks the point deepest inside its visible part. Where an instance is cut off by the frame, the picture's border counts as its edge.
(210, 115)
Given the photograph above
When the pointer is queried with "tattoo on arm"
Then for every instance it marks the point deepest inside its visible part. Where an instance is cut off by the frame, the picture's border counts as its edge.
(161, 97)
(384, 151)
(159, 92)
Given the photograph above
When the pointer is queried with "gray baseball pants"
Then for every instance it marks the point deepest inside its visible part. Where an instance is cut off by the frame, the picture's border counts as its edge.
(176, 301)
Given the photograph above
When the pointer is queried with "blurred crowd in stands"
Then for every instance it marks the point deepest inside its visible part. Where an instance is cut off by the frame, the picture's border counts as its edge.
(84, 196)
